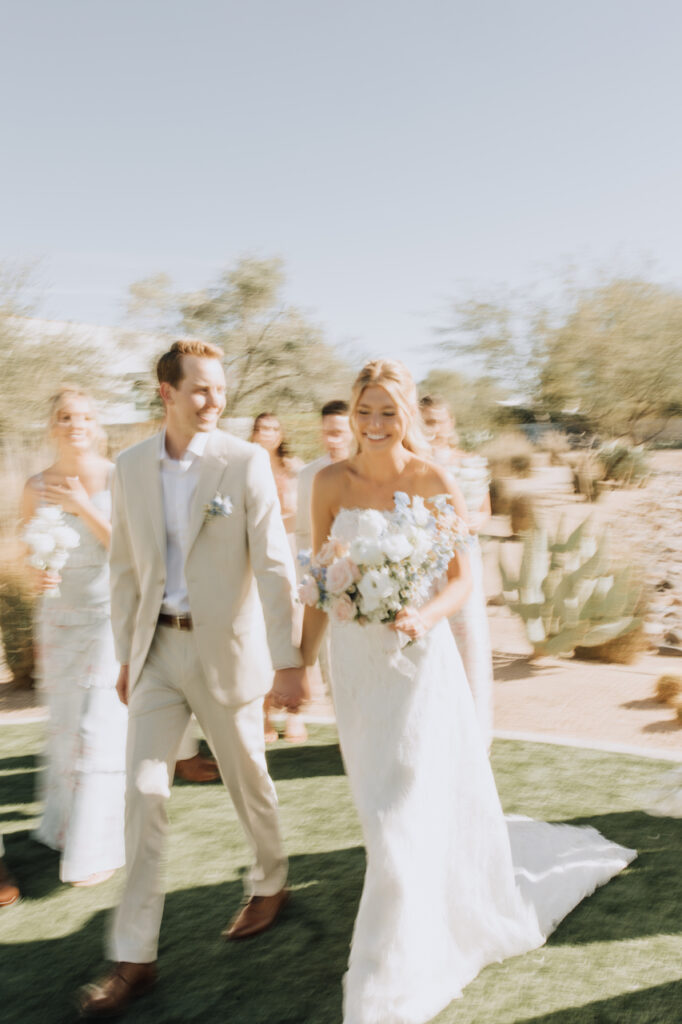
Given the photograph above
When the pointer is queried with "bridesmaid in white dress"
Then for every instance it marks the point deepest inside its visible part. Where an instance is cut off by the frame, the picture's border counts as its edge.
(267, 432)
(450, 885)
(83, 785)
(470, 623)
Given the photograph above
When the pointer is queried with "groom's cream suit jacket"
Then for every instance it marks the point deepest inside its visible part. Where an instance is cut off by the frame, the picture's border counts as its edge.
(238, 567)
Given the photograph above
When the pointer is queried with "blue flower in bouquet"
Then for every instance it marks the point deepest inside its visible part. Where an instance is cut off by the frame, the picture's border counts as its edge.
(304, 559)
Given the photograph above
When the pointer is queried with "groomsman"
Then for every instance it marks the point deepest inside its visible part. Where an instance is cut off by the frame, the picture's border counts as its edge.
(336, 439)
(202, 589)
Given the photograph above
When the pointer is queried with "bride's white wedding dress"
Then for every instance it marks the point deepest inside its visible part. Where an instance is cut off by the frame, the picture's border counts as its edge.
(451, 885)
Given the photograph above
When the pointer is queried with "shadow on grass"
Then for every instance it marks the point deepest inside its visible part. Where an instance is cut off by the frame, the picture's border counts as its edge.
(24, 763)
(305, 762)
(290, 975)
(15, 815)
(35, 866)
(644, 900)
(19, 787)
(659, 1004)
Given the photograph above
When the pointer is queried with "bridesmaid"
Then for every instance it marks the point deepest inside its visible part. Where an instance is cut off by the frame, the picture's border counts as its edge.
(470, 624)
(85, 757)
(267, 432)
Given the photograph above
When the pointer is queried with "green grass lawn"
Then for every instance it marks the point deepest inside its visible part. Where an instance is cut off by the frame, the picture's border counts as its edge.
(617, 959)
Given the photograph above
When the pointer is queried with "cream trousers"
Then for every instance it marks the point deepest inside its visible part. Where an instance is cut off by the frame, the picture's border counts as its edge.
(171, 687)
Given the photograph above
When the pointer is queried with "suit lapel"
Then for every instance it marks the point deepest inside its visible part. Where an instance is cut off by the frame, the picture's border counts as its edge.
(212, 467)
(152, 487)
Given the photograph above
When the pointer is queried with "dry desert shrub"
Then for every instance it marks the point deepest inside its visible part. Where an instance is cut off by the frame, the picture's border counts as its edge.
(623, 650)
(557, 445)
(17, 602)
(668, 688)
(522, 513)
(509, 454)
(588, 472)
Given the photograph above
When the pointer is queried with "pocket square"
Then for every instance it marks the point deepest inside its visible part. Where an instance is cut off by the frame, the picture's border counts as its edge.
(219, 505)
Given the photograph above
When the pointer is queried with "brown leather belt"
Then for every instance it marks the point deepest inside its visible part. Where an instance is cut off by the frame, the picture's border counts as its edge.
(176, 621)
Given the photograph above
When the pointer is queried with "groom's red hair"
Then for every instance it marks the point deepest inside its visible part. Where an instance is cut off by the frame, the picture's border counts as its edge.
(169, 367)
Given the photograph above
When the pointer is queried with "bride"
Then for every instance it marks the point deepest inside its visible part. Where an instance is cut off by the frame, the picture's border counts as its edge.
(450, 885)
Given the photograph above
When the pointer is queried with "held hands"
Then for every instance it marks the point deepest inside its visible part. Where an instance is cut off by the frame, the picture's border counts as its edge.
(410, 621)
(72, 496)
(290, 688)
(477, 521)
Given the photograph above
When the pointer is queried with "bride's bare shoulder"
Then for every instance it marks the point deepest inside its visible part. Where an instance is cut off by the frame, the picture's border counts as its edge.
(332, 479)
(430, 479)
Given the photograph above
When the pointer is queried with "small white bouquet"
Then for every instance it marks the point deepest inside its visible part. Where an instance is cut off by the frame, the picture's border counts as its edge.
(376, 563)
(49, 540)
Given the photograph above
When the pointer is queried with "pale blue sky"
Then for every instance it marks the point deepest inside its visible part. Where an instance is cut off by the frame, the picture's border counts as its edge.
(393, 154)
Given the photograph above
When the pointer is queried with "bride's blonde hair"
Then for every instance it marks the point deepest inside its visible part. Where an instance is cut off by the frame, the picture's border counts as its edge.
(394, 377)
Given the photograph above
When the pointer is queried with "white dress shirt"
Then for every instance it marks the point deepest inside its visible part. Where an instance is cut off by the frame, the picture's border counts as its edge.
(179, 479)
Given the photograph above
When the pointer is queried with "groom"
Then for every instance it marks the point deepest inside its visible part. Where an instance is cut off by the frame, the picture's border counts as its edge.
(202, 588)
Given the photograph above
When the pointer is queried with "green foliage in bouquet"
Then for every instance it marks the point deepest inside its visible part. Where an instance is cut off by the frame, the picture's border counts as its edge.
(568, 593)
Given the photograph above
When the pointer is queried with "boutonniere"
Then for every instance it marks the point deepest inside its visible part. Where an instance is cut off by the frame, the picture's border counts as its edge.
(219, 505)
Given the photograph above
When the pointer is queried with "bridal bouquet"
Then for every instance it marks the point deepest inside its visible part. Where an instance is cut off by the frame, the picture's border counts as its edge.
(49, 540)
(376, 563)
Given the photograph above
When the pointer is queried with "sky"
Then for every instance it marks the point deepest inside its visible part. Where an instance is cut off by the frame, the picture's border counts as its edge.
(397, 156)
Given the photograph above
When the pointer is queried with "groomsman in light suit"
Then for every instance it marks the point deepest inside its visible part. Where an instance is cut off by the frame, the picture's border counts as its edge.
(337, 438)
(202, 610)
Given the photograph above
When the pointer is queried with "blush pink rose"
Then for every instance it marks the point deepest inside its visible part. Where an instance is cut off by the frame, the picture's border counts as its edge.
(308, 591)
(343, 609)
(329, 552)
(341, 575)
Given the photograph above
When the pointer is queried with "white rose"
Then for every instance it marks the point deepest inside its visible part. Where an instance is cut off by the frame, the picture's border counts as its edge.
(366, 552)
(344, 527)
(371, 524)
(49, 514)
(396, 547)
(422, 546)
(66, 537)
(375, 586)
(42, 544)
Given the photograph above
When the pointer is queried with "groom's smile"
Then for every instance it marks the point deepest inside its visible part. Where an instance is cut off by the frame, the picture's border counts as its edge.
(198, 401)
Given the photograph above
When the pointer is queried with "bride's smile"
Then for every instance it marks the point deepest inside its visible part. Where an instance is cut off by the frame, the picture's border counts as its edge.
(378, 422)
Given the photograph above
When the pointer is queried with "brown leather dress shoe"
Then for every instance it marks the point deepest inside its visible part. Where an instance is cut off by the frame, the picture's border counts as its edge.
(257, 914)
(113, 993)
(9, 890)
(197, 769)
